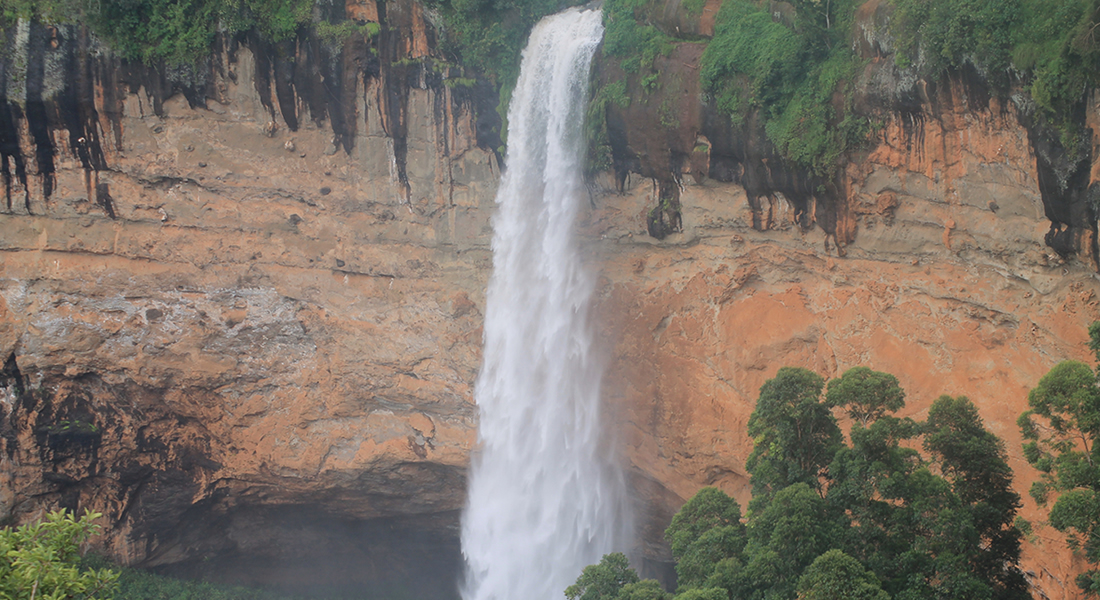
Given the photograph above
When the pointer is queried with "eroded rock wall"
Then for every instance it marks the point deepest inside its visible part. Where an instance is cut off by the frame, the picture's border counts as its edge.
(247, 332)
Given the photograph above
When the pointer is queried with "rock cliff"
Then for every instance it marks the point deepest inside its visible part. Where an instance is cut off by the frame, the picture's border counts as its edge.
(240, 307)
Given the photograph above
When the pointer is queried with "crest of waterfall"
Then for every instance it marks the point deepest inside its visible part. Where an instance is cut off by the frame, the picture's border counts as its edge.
(546, 497)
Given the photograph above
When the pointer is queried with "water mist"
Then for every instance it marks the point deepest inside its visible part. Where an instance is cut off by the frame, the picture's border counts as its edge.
(545, 497)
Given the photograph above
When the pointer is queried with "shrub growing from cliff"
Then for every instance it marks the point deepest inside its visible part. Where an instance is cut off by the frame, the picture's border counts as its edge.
(177, 32)
(180, 32)
(42, 560)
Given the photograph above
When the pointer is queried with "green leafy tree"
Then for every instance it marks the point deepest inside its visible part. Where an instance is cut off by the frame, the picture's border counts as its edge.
(703, 594)
(646, 589)
(795, 436)
(973, 460)
(795, 527)
(613, 579)
(708, 509)
(41, 561)
(1061, 428)
(1062, 445)
(866, 395)
(874, 481)
(872, 520)
(603, 581)
(706, 531)
(696, 567)
(836, 576)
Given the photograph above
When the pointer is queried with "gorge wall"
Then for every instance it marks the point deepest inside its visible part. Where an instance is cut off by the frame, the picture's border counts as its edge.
(240, 308)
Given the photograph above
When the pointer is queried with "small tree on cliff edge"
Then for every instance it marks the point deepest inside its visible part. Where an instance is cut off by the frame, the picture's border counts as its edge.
(1061, 428)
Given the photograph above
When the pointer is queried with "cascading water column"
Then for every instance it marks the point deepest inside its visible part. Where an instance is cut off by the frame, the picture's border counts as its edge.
(545, 499)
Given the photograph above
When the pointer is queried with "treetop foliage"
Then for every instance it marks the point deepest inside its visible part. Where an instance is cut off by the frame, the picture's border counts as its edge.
(794, 434)
(836, 576)
(709, 509)
(1060, 429)
(866, 395)
(603, 580)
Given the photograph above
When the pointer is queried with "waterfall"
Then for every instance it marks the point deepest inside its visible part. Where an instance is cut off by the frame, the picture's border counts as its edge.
(545, 497)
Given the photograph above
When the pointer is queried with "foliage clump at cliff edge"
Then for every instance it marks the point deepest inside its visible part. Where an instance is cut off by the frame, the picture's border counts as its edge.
(1051, 48)
(796, 71)
(174, 31)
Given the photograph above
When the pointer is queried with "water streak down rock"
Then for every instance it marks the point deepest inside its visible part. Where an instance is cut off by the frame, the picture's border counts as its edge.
(544, 498)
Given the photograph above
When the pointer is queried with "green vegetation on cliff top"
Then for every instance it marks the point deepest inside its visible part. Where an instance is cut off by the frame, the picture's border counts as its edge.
(1051, 48)
(174, 31)
(793, 66)
(796, 71)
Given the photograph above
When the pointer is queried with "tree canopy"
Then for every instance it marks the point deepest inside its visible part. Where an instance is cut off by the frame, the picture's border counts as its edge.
(865, 518)
(1060, 430)
(794, 434)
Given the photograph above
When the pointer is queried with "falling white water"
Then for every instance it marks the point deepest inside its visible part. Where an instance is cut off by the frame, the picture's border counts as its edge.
(545, 499)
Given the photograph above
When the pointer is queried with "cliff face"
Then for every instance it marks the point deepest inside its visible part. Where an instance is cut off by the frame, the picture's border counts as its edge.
(244, 334)
(240, 309)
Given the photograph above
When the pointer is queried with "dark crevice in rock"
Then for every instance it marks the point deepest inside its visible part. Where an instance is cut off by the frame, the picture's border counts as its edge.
(283, 67)
(664, 218)
(484, 100)
(10, 155)
(11, 377)
(395, 89)
(77, 108)
(261, 79)
(1069, 196)
(35, 111)
(104, 199)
